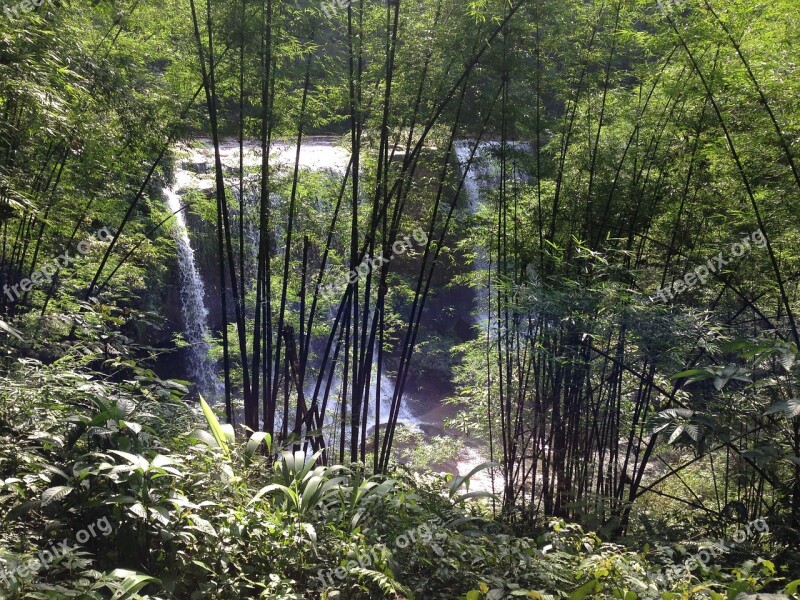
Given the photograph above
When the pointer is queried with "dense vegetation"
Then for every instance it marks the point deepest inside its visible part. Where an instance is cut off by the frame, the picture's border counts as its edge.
(596, 206)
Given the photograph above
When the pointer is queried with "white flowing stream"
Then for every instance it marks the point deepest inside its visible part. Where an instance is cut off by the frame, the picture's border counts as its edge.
(482, 176)
(193, 309)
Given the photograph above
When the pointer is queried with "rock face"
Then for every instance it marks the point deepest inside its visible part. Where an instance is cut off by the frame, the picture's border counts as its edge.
(744, 596)
(197, 166)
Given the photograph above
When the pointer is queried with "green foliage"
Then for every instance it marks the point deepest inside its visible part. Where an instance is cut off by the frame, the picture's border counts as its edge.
(665, 132)
(186, 521)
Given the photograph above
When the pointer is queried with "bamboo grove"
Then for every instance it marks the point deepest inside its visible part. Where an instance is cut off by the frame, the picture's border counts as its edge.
(623, 143)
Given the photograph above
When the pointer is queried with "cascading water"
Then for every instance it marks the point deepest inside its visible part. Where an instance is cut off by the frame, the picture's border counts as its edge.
(480, 177)
(319, 155)
(387, 392)
(316, 154)
(193, 310)
(475, 178)
(483, 173)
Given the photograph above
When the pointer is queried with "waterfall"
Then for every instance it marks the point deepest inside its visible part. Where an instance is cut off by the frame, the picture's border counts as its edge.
(475, 179)
(482, 176)
(193, 310)
(387, 392)
(320, 155)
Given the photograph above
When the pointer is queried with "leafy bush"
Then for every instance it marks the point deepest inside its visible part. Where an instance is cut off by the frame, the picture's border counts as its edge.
(196, 513)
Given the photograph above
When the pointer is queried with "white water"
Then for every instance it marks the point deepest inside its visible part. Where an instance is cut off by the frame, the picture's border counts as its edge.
(387, 392)
(320, 155)
(193, 309)
(316, 154)
(480, 179)
(483, 176)
(476, 182)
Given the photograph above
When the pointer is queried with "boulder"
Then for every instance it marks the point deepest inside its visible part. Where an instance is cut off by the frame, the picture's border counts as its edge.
(196, 166)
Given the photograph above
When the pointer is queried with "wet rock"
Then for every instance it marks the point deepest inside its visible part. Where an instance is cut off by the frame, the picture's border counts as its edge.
(196, 166)
(433, 429)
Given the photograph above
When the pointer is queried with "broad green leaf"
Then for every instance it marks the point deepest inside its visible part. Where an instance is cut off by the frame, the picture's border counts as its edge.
(139, 510)
(458, 480)
(693, 374)
(587, 588)
(55, 494)
(473, 495)
(131, 584)
(791, 408)
(137, 461)
(10, 330)
(216, 429)
(792, 587)
(312, 533)
(203, 525)
(254, 443)
(675, 434)
(205, 437)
